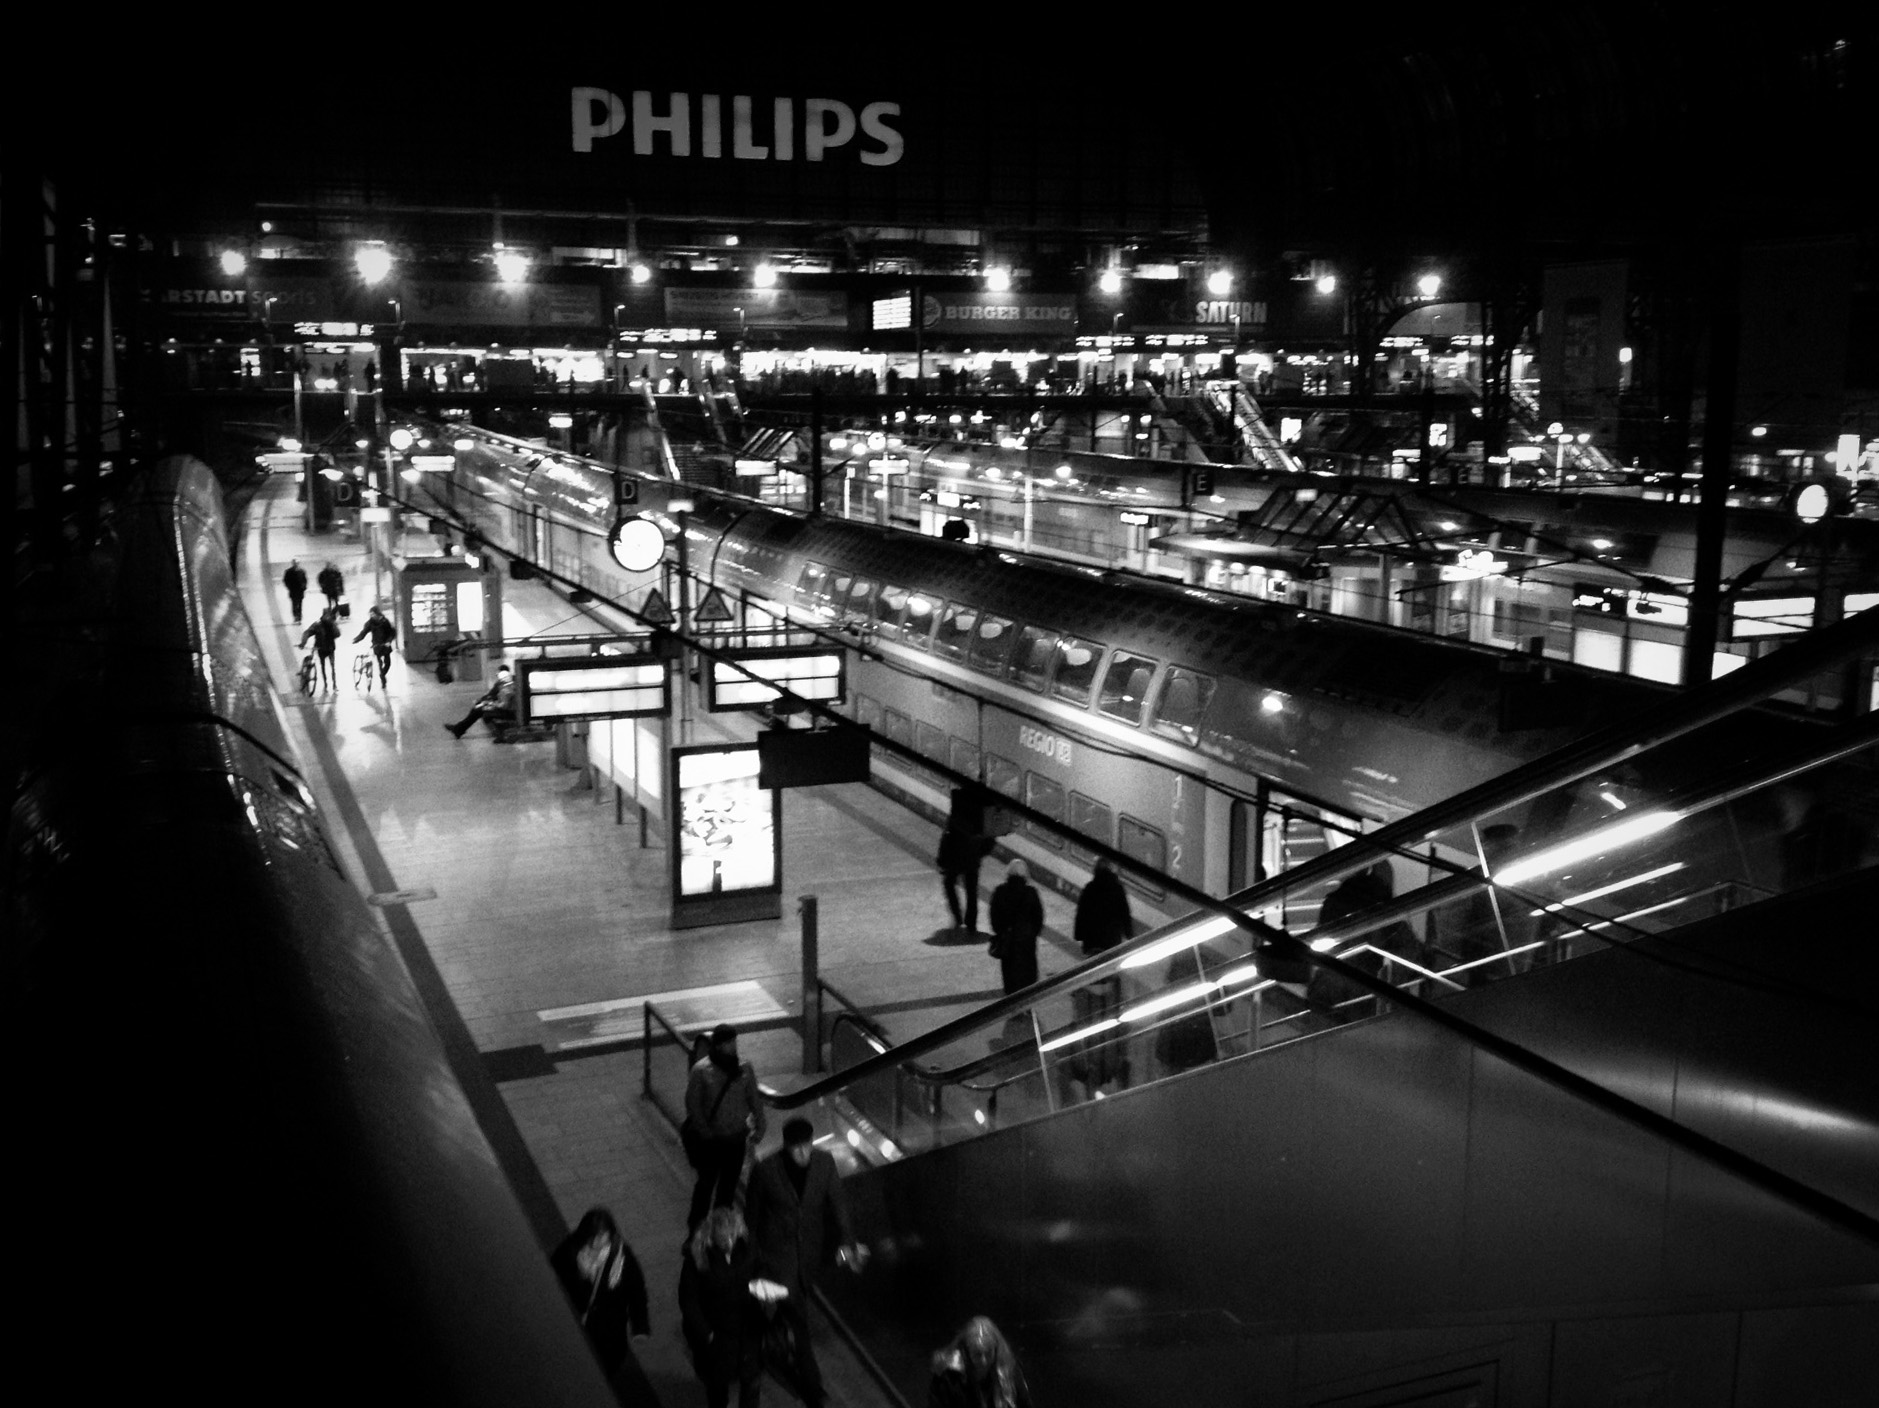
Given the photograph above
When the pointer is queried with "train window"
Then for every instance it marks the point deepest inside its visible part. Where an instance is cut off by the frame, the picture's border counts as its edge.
(930, 741)
(917, 625)
(861, 599)
(1002, 776)
(991, 645)
(1143, 843)
(1048, 798)
(889, 602)
(1093, 820)
(867, 711)
(830, 607)
(1077, 662)
(965, 758)
(898, 727)
(812, 588)
(1125, 687)
(1183, 702)
(954, 633)
(1030, 658)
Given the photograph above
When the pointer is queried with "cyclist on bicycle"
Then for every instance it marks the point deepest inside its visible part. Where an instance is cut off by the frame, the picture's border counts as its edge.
(383, 633)
(324, 633)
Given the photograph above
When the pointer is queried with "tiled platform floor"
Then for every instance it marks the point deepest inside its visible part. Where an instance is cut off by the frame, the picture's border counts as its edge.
(542, 902)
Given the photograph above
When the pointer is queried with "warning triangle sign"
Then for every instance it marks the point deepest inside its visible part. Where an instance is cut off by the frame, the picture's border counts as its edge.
(712, 608)
(656, 612)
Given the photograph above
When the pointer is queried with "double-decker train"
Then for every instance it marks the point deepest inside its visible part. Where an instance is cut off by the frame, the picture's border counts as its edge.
(1210, 737)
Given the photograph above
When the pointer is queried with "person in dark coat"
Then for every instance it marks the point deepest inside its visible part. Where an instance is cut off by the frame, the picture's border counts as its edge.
(603, 1282)
(497, 703)
(295, 580)
(724, 1110)
(1017, 920)
(332, 583)
(1103, 918)
(977, 1370)
(383, 633)
(723, 1321)
(1350, 898)
(1186, 1042)
(797, 1214)
(324, 633)
(960, 852)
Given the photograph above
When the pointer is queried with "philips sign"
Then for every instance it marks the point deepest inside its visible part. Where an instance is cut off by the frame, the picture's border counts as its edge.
(713, 127)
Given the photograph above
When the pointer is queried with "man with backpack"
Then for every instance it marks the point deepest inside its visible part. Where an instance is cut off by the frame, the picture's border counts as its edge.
(324, 633)
(383, 633)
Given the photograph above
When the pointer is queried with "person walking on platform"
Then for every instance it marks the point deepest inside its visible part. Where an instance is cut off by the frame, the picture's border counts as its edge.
(796, 1210)
(324, 633)
(960, 852)
(723, 1113)
(723, 1321)
(295, 580)
(1017, 920)
(977, 1370)
(603, 1283)
(1103, 920)
(333, 584)
(1103, 917)
(497, 703)
(383, 633)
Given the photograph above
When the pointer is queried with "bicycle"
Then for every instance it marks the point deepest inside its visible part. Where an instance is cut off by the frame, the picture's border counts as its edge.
(309, 674)
(364, 672)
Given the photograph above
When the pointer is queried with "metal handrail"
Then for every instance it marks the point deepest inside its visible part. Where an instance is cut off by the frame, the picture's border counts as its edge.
(649, 1016)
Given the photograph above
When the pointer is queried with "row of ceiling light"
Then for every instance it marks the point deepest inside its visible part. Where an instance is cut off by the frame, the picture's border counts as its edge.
(374, 263)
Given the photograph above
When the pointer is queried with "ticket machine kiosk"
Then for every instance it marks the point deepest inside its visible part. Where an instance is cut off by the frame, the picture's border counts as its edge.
(443, 602)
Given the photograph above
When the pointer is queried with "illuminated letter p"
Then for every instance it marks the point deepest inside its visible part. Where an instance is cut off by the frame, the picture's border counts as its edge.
(585, 128)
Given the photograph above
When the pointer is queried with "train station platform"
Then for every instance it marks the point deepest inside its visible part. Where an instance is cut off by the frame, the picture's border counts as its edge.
(537, 925)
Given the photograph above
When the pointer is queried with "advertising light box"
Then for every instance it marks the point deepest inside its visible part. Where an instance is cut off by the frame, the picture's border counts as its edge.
(809, 674)
(593, 687)
(727, 859)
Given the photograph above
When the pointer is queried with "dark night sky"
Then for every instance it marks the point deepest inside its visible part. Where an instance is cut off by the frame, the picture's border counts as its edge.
(1575, 122)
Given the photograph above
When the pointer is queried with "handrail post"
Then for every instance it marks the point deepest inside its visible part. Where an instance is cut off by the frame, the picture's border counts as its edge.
(645, 1050)
(811, 989)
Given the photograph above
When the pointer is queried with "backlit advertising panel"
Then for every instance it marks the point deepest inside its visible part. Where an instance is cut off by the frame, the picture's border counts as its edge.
(727, 859)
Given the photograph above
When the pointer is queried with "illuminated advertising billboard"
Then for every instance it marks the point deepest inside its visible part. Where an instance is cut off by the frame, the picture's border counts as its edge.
(727, 860)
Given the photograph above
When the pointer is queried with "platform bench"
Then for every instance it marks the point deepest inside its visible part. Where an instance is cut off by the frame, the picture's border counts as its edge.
(523, 733)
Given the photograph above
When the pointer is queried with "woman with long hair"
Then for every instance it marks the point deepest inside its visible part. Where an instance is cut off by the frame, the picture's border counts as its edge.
(977, 1370)
(602, 1281)
(723, 1321)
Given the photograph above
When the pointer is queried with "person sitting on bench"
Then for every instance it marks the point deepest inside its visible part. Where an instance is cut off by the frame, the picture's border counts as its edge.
(497, 704)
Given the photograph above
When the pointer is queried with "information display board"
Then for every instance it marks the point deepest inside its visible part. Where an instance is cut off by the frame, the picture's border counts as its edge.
(727, 858)
(594, 687)
(809, 674)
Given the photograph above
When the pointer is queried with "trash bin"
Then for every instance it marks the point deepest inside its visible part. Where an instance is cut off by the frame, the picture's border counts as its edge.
(571, 744)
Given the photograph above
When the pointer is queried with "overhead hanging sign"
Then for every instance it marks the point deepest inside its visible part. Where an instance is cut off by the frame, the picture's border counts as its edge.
(809, 674)
(594, 687)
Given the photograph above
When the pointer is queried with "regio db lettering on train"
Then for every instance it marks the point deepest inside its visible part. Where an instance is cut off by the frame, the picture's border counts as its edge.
(1049, 744)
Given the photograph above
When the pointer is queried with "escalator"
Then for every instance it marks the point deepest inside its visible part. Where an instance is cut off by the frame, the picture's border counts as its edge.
(1600, 1127)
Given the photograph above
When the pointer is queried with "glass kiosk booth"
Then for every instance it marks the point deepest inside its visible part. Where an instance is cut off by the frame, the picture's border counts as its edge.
(443, 601)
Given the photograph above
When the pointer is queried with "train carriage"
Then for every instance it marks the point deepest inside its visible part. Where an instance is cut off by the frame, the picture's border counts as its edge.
(1213, 738)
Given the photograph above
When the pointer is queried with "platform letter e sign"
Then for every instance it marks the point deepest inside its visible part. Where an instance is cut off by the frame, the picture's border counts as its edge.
(597, 113)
